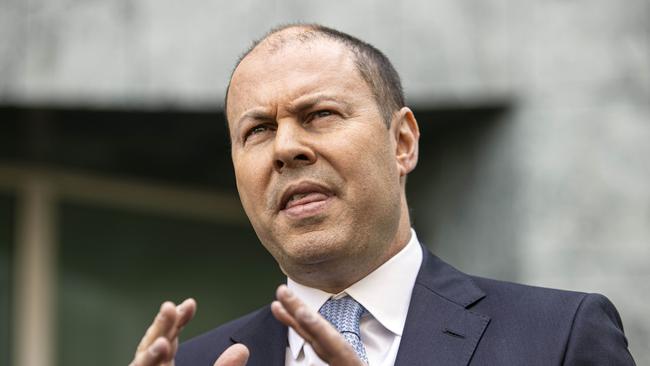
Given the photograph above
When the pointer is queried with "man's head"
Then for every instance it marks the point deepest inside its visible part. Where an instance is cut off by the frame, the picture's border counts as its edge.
(320, 175)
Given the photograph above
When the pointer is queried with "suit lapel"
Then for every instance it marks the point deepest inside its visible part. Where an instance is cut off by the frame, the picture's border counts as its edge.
(439, 328)
(265, 337)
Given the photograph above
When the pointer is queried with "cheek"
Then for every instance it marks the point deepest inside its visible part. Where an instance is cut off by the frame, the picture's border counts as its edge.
(370, 165)
(380, 158)
(249, 183)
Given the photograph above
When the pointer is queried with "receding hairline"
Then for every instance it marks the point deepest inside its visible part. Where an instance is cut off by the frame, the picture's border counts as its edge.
(371, 64)
(276, 40)
(279, 38)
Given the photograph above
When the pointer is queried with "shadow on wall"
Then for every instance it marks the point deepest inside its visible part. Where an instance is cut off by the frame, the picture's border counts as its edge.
(462, 194)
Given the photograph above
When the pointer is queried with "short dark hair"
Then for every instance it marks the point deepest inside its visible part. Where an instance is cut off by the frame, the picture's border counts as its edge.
(373, 66)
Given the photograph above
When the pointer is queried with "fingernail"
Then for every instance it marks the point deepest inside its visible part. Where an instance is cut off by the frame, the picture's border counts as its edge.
(288, 293)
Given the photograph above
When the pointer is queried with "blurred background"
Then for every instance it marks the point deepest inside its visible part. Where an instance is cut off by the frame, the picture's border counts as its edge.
(117, 191)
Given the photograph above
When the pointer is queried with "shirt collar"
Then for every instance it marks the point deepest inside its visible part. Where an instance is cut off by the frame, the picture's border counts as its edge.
(395, 277)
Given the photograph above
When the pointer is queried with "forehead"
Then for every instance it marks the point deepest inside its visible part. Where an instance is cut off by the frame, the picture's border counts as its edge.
(286, 70)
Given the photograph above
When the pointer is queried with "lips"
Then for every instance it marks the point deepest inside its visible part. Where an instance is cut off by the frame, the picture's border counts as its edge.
(304, 198)
(302, 194)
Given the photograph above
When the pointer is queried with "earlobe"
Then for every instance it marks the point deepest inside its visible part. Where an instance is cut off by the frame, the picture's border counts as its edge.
(407, 135)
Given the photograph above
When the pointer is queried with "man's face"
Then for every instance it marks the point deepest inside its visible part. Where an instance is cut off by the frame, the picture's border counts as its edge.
(314, 161)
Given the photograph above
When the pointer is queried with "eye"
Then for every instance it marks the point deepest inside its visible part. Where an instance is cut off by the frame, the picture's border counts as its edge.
(255, 131)
(323, 113)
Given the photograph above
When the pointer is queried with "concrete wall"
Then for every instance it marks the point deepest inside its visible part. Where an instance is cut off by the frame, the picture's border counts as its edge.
(181, 54)
(559, 189)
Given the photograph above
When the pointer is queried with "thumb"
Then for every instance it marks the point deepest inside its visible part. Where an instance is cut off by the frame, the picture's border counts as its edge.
(235, 355)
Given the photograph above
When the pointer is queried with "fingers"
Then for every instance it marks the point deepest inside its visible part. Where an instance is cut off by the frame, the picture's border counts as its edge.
(160, 342)
(235, 355)
(280, 313)
(330, 346)
(184, 312)
(157, 353)
(161, 326)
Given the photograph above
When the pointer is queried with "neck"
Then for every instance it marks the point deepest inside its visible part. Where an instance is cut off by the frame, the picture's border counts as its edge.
(336, 277)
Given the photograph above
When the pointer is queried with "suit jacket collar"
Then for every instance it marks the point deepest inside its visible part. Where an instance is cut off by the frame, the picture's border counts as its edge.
(265, 337)
(439, 329)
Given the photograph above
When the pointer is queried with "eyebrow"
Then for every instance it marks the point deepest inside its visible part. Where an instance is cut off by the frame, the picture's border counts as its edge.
(255, 113)
(305, 103)
(295, 107)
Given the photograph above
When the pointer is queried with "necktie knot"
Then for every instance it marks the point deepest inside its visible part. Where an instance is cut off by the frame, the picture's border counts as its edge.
(345, 315)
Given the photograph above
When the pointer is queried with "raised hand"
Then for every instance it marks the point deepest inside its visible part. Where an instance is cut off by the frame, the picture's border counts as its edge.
(160, 342)
(330, 346)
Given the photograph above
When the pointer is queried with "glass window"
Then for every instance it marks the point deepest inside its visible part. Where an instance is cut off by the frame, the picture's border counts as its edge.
(116, 267)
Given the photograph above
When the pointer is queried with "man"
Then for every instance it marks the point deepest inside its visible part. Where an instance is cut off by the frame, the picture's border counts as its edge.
(321, 145)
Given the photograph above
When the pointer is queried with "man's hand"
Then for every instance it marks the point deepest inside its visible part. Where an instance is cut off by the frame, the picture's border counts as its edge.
(330, 346)
(159, 344)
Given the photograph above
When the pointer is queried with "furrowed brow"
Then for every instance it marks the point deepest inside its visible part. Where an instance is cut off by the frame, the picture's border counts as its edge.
(306, 103)
(255, 114)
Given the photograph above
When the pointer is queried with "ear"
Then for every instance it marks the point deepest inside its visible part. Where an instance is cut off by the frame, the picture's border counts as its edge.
(407, 134)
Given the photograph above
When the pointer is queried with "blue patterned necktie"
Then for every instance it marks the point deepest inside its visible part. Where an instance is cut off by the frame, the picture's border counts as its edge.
(345, 314)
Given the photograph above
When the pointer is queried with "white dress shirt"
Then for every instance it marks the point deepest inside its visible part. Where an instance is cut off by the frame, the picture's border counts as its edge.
(386, 295)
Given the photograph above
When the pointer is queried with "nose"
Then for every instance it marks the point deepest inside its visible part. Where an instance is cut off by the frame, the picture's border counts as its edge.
(292, 147)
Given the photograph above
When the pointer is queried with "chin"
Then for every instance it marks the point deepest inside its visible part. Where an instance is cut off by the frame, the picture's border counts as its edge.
(315, 247)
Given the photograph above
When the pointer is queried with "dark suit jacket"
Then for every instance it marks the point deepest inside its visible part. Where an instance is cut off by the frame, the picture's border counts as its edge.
(457, 319)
